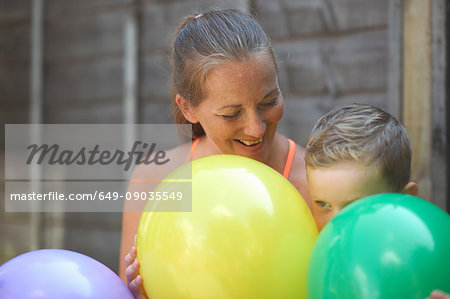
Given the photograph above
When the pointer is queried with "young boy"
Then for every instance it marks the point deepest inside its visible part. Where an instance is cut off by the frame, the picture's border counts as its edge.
(353, 152)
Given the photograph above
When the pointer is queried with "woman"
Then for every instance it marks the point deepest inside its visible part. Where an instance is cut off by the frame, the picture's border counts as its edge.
(224, 78)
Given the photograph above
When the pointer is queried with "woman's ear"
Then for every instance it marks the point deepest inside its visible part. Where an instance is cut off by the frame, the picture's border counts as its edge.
(186, 109)
(411, 188)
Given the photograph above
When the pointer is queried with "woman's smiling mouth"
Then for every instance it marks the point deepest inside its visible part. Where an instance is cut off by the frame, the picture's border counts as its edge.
(250, 142)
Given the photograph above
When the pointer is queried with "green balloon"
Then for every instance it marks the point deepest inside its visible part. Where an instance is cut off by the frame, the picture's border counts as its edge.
(383, 246)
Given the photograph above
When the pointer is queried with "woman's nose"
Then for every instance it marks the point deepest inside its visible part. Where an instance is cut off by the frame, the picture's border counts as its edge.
(254, 126)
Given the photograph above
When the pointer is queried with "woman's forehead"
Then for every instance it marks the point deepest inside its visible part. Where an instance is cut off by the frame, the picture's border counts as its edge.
(231, 77)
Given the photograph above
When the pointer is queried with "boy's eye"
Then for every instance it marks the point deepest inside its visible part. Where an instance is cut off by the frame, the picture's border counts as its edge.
(322, 204)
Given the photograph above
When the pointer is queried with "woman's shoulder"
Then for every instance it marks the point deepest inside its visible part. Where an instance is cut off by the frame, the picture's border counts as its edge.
(285, 145)
(299, 154)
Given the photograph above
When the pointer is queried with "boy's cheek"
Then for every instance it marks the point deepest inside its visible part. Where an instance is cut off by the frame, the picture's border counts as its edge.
(322, 216)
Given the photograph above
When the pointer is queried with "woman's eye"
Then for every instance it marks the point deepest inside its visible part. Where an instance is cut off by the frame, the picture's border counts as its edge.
(322, 204)
(272, 103)
(230, 116)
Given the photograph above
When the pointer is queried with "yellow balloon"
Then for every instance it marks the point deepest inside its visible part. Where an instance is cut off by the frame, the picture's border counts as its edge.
(249, 235)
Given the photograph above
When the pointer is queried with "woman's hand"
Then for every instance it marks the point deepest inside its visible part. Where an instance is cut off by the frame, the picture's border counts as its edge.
(134, 280)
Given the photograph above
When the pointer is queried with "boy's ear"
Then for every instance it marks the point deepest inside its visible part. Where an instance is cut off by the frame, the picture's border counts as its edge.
(186, 108)
(411, 188)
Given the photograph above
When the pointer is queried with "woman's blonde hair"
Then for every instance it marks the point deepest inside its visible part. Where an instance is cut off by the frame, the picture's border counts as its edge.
(205, 40)
(364, 134)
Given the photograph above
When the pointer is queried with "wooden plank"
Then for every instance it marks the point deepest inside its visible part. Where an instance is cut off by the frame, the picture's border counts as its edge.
(130, 67)
(447, 89)
(130, 75)
(87, 36)
(395, 48)
(439, 162)
(82, 83)
(36, 111)
(38, 224)
(417, 89)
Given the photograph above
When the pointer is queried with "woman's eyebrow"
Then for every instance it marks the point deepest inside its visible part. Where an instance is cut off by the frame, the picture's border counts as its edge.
(230, 106)
(276, 90)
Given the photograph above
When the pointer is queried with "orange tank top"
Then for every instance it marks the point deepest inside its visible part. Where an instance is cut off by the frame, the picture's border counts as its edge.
(287, 165)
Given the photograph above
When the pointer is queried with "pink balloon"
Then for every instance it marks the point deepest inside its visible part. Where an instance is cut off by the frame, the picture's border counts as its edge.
(56, 274)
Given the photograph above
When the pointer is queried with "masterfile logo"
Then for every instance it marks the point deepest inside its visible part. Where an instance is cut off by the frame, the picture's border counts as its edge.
(94, 168)
(53, 155)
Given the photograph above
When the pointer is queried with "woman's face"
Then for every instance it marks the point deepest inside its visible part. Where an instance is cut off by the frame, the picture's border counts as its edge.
(241, 108)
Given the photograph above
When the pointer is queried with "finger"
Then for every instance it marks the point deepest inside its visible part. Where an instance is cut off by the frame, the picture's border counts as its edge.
(131, 256)
(132, 271)
(128, 259)
(140, 283)
(134, 287)
(135, 236)
(138, 279)
(137, 289)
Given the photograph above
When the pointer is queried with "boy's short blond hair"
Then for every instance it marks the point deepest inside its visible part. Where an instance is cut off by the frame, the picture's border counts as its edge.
(364, 134)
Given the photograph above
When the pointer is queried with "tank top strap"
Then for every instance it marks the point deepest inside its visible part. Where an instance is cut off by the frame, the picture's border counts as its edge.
(194, 145)
(287, 166)
(289, 159)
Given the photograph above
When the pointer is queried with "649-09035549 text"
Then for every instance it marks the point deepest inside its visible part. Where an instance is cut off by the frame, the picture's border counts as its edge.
(97, 195)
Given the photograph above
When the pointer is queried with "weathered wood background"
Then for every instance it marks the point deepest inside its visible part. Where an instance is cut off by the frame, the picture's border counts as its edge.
(330, 52)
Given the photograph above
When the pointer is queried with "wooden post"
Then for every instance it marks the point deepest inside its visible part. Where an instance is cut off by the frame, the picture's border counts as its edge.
(424, 111)
(417, 89)
(130, 67)
(130, 75)
(36, 114)
(439, 151)
(53, 222)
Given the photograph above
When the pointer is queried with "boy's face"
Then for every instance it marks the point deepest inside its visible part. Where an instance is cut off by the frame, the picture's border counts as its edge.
(334, 187)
